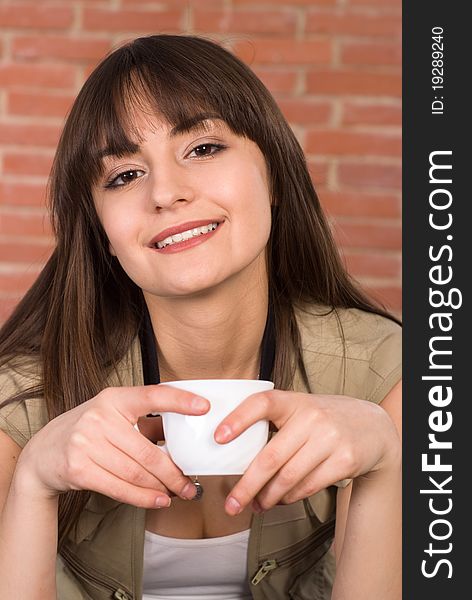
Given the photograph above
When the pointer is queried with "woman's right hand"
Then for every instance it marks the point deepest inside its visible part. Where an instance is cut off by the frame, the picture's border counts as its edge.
(96, 447)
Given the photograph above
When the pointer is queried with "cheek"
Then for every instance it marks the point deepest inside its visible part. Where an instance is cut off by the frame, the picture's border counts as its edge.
(113, 246)
(259, 224)
(119, 231)
(258, 208)
(253, 227)
(106, 220)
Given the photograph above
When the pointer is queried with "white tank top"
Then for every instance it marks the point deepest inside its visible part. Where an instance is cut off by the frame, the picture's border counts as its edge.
(202, 569)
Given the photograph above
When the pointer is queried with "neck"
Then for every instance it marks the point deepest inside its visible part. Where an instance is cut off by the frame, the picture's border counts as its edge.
(212, 335)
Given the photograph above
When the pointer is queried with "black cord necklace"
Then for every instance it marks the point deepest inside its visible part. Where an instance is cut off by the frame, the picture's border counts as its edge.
(150, 361)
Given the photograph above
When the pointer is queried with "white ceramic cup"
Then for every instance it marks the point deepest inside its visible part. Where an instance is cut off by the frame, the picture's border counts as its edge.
(190, 439)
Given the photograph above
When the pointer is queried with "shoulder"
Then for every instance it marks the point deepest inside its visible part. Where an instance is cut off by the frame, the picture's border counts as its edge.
(356, 333)
(22, 410)
(350, 351)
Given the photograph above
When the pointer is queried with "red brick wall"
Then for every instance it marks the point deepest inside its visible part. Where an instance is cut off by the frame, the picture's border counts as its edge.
(333, 66)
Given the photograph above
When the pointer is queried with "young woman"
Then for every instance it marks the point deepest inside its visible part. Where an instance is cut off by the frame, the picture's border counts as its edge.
(191, 245)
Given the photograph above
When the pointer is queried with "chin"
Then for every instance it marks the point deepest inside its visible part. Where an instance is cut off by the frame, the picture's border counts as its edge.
(188, 286)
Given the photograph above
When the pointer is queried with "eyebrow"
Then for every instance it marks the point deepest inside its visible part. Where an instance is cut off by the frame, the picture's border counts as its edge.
(200, 122)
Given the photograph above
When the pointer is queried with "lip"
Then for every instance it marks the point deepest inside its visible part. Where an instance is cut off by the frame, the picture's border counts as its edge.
(174, 229)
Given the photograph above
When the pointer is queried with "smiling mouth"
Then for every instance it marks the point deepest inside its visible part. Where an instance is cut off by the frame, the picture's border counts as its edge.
(185, 235)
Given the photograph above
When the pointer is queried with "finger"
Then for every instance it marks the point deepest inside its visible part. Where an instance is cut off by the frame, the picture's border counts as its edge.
(265, 465)
(292, 479)
(270, 405)
(151, 458)
(118, 463)
(134, 402)
(337, 469)
(318, 479)
(110, 485)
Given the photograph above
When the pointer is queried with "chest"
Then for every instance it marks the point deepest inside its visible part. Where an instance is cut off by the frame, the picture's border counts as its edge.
(204, 518)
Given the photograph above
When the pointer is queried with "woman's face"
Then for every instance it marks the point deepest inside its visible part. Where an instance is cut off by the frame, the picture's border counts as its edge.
(188, 210)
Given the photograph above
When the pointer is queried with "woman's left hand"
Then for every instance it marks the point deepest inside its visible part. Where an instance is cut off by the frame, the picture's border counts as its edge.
(321, 439)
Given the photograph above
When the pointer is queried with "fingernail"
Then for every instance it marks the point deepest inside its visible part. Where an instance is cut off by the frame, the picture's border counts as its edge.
(199, 403)
(162, 501)
(233, 506)
(223, 433)
(189, 492)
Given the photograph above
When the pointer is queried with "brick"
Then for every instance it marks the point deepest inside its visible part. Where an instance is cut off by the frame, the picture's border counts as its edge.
(319, 172)
(12, 193)
(61, 47)
(29, 134)
(209, 4)
(348, 204)
(36, 15)
(284, 52)
(282, 2)
(354, 82)
(389, 296)
(368, 235)
(27, 163)
(21, 223)
(351, 23)
(142, 21)
(341, 142)
(44, 104)
(277, 80)
(31, 76)
(278, 22)
(31, 252)
(6, 307)
(17, 282)
(391, 4)
(373, 265)
(305, 110)
(378, 53)
(363, 85)
(371, 114)
(373, 175)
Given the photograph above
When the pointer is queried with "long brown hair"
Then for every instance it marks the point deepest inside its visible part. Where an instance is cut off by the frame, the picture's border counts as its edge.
(81, 315)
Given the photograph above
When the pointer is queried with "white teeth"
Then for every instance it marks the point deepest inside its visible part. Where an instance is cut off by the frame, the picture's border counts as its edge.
(186, 235)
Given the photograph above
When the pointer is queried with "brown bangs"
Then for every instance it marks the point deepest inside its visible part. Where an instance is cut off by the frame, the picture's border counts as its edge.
(164, 79)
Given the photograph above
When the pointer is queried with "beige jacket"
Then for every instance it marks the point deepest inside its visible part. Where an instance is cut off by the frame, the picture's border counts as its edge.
(103, 556)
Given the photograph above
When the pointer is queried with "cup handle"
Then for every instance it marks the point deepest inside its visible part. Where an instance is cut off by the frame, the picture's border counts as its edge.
(162, 447)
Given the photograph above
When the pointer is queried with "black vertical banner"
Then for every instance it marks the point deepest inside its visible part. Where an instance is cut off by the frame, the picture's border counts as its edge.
(437, 259)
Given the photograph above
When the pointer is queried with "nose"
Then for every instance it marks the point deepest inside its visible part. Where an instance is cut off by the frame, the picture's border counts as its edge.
(170, 185)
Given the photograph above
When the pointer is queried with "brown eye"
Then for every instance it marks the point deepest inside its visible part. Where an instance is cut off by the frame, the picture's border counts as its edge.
(129, 175)
(204, 150)
(124, 178)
